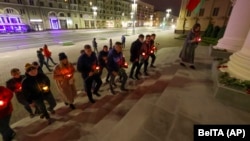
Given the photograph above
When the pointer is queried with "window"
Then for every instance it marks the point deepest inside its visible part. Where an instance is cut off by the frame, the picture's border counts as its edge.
(41, 3)
(3, 19)
(60, 5)
(69, 15)
(31, 2)
(61, 15)
(216, 11)
(33, 12)
(6, 0)
(188, 13)
(22, 11)
(80, 15)
(10, 10)
(201, 13)
(85, 9)
(75, 2)
(19, 2)
(79, 1)
(50, 4)
(13, 20)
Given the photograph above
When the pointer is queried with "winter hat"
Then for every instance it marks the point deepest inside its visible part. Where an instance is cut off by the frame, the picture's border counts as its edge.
(62, 56)
(29, 67)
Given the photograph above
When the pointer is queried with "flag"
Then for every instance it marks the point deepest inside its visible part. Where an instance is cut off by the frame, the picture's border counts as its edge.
(192, 4)
(198, 7)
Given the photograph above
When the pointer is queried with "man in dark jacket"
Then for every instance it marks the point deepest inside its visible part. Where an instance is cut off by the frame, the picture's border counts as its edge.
(152, 50)
(103, 59)
(41, 59)
(94, 44)
(36, 88)
(5, 114)
(87, 65)
(15, 85)
(115, 66)
(135, 55)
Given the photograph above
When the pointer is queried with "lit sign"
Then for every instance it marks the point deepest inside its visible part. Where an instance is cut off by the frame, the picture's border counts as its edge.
(36, 20)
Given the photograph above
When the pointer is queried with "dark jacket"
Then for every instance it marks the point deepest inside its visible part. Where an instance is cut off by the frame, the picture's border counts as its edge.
(135, 50)
(86, 64)
(145, 48)
(15, 85)
(32, 86)
(40, 56)
(101, 61)
(115, 60)
(5, 98)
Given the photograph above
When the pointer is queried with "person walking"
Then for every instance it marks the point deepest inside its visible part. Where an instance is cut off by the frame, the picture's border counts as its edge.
(152, 50)
(87, 65)
(47, 54)
(188, 50)
(36, 88)
(110, 44)
(64, 77)
(103, 60)
(5, 114)
(144, 54)
(94, 44)
(41, 59)
(15, 85)
(123, 39)
(135, 56)
(115, 65)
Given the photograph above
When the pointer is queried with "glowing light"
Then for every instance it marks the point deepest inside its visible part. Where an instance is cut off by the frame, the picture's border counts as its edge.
(97, 68)
(1, 103)
(45, 88)
(69, 75)
(151, 51)
(143, 54)
(36, 20)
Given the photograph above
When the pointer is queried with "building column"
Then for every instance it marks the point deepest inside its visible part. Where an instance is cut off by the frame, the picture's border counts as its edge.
(239, 63)
(237, 27)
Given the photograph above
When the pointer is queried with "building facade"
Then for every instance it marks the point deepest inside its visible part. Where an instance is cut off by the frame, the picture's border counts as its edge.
(161, 19)
(216, 12)
(18, 15)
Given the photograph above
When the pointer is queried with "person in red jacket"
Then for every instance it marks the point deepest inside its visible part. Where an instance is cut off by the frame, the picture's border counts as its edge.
(5, 114)
(47, 54)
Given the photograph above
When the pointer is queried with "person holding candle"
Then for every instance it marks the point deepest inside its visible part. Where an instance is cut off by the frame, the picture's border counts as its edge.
(64, 77)
(145, 53)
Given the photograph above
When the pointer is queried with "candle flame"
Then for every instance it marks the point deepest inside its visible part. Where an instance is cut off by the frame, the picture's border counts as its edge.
(1, 102)
(143, 53)
(45, 88)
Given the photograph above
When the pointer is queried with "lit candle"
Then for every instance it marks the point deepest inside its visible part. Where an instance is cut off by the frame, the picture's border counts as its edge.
(69, 75)
(97, 68)
(1, 103)
(45, 88)
(143, 54)
(151, 51)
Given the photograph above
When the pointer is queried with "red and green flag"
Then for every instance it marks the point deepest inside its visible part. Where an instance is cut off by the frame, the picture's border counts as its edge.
(195, 5)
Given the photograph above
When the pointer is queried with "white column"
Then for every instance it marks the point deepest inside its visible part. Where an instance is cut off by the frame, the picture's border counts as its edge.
(237, 27)
(239, 64)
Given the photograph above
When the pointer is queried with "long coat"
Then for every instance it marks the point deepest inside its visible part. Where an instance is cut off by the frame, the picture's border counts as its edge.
(188, 50)
(64, 77)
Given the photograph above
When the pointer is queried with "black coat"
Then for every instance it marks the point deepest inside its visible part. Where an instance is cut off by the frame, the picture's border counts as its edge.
(135, 50)
(32, 86)
(40, 56)
(100, 58)
(15, 85)
(115, 60)
(86, 64)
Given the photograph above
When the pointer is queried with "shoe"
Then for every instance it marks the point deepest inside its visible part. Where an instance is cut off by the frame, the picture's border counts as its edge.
(72, 106)
(152, 66)
(107, 81)
(52, 111)
(97, 94)
(112, 92)
(32, 115)
(49, 121)
(131, 77)
(146, 74)
(182, 64)
(124, 89)
(139, 73)
(13, 135)
(92, 100)
(42, 116)
(192, 67)
(137, 77)
(66, 103)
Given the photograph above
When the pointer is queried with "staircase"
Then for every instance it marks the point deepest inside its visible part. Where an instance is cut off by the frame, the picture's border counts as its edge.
(161, 107)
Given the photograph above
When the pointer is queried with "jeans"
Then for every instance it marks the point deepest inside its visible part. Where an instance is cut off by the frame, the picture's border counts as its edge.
(51, 100)
(123, 76)
(153, 58)
(137, 66)
(49, 58)
(5, 129)
(145, 63)
(40, 104)
(88, 82)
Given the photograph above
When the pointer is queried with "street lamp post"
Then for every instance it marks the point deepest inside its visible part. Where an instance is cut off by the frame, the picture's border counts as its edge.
(151, 19)
(94, 8)
(168, 15)
(134, 14)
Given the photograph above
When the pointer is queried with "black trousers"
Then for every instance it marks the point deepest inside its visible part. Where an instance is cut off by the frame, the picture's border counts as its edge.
(42, 62)
(50, 58)
(40, 104)
(145, 63)
(135, 65)
(101, 70)
(123, 76)
(88, 81)
(153, 57)
(5, 129)
(51, 100)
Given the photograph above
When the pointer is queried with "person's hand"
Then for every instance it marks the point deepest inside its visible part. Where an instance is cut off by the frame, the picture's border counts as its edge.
(91, 73)
(114, 73)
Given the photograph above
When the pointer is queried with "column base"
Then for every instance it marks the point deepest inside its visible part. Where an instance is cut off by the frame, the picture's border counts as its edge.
(230, 44)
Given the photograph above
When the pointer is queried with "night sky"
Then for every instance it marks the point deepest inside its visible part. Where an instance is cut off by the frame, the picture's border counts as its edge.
(162, 5)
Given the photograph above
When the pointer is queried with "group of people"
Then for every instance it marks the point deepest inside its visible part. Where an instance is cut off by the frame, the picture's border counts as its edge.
(33, 87)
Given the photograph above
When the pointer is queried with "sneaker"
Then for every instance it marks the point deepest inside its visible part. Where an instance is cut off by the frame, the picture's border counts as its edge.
(131, 77)
(146, 74)
(32, 115)
(13, 135)
(182, 64)
(192, 67)
(97, 94)
(137, 77)
(124, 89)
(72, 106)
(66, 103)
(49, 121)
(152, 66)
(42, 116)
(92, 100)
(52, 111)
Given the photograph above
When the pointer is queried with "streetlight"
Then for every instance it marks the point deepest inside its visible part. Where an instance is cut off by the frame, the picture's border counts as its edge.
(151, 19)
(134, 6)
(168, 15)
(94, 8)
